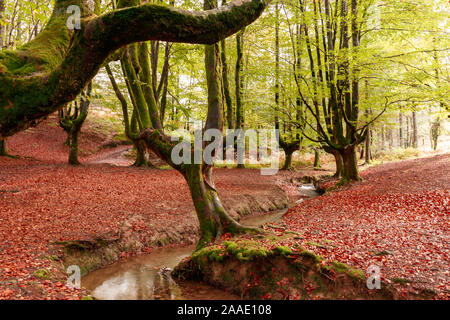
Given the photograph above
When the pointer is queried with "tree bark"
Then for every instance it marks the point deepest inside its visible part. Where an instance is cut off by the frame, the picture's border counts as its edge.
(415, 134)
(316, 158)
(73, 148)
(213, 218)
(339, 164)
(3, 149)
(368, 149)
(72, 119)
(226, 84)
(141, 154)
(350, 164)
(400, 130)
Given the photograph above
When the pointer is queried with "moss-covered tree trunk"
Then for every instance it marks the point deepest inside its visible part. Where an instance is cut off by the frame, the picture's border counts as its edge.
(316, 159)
(350, 164)
(71, 119)
(212, 216)
(288, 161)
(141, 154)
(226, 84)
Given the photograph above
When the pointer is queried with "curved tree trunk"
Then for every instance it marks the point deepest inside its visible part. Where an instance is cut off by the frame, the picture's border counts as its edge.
(213, 218)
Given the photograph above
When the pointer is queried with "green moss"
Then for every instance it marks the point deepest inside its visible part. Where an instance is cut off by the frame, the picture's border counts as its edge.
(356, 273)
(311, 255)
(246, 250)
(315, 244)
(339, 267)
(43, 274)
(285, 251)
(212, 253)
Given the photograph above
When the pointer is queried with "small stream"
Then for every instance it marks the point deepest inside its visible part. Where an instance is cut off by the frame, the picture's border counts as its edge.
(147, 277)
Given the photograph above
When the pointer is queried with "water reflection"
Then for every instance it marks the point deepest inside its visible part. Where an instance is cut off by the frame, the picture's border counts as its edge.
(148, 277)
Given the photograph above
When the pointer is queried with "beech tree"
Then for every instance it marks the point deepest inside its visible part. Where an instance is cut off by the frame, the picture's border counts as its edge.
(71, 118)
(47, 73)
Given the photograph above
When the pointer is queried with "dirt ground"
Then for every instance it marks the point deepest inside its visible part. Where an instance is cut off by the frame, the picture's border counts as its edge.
(397, 218)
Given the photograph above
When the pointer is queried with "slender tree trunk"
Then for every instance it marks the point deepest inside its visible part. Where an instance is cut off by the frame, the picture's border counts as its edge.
(239, 84)
(2, 9)
(407, 136)
(391, 139)
(316, 159)
(400, 130)
(415, 143)
(73, 146)
(350, 168)
(368, 143)
(226, 84)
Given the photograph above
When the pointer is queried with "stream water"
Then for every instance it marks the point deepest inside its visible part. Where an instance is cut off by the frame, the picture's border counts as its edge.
(147, 277)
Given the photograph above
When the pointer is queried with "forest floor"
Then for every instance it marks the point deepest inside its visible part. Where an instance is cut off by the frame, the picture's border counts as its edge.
(397, 218)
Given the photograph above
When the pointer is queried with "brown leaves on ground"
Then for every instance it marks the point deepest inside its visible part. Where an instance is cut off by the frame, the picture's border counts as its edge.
(397, 218)
(44, 200)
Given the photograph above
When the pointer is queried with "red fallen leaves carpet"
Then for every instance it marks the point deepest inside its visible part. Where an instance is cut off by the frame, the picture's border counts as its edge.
(400, 211)
(397, 218)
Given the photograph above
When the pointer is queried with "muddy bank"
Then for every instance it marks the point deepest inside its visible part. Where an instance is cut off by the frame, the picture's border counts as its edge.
(259, 269)
(148, 276)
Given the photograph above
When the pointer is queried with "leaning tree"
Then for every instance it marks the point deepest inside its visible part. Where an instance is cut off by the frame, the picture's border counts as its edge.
(55, 67)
